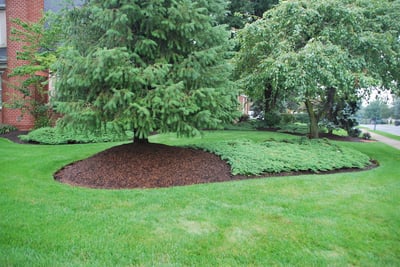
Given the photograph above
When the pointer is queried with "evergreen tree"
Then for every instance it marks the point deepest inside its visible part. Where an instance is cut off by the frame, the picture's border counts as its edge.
(145, 65)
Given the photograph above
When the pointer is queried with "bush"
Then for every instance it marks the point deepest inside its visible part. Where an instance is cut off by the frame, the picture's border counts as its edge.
(272, 119)
(250, 158)
(244, 126)
(244, 117)
(366, 136)
(5, 128)
(298, 128)
(287, 118)
(354, 132)
(302, 118)
(55, 136)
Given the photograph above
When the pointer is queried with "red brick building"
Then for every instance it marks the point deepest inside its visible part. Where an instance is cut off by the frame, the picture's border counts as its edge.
(32, 11)
(26, 10)
(10, 9)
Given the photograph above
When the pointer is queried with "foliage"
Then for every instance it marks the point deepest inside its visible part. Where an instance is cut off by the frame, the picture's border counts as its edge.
(330, 220)
(354, 132)
(31, 76)
(241, 12)
(396, 108)
(146, 66)
(366, 136)
(250, 158)
(376, 110)
(320, 53)
(57, 136)
(272, 119)
(5, 128)
(297, 127)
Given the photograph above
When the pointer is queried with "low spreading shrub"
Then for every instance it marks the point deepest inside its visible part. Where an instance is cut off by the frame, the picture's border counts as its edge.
(55, 136)
(250, 158)
(6, 128)
(298, 128)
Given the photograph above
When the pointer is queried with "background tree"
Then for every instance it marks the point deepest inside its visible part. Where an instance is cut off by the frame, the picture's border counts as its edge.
(321, 53)
(396, 108)
(147, 66)
(376, 110)
(241, 12)
(37, 54)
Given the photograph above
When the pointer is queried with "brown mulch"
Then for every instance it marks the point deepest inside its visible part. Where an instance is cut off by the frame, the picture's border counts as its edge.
(145, 166)
(154, 165)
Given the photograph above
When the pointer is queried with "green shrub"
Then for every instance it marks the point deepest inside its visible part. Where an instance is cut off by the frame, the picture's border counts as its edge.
(55, 136)
(302, 118)
(366, 136)
(298, 128)
(250, 158)
(354, 132)
(287, 118)
(245, 125)
(6, 128)
(272, 119)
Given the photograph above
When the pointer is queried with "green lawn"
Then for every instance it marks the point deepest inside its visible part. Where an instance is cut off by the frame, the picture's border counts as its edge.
(310, 220)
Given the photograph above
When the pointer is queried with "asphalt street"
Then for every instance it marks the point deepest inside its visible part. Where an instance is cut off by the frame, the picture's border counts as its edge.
(384, 128)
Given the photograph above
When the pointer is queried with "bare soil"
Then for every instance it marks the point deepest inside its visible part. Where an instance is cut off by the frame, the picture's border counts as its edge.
(154, 165)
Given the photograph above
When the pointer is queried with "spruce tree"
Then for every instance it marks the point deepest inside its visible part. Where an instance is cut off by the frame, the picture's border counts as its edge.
(155, 65)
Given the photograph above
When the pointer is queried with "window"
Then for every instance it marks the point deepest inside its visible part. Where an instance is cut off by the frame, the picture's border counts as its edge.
(3, 30)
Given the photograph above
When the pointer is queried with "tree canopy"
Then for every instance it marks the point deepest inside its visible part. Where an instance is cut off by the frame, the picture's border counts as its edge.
(320, 53)
(241, 12)
(145, 65)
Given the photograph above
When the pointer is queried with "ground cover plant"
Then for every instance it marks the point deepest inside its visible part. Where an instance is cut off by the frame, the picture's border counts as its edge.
(338, 219)
(57, 136)
(250, 158)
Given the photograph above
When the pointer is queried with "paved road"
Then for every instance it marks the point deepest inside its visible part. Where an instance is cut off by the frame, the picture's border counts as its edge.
(384, 128)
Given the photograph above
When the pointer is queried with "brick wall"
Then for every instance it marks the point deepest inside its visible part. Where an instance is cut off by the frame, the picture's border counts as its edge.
(31, 10)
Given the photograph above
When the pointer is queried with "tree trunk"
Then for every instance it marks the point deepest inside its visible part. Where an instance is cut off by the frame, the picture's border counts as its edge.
(141, 141)
(270, 99)
(314, 131)
(329, 106)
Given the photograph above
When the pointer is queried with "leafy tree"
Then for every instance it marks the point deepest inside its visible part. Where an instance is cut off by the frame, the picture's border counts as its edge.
(241, 12)
(396, 109)
(376, 110)
(31, 78)
(320, 53)
(145, 65)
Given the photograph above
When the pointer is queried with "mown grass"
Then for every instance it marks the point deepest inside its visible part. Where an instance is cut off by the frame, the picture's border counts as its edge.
(312, 220)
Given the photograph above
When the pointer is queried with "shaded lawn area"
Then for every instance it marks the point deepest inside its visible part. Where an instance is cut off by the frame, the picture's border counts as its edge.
(338, 219)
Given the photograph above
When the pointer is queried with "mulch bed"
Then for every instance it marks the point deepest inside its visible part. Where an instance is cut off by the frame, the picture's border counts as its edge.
(153, 166)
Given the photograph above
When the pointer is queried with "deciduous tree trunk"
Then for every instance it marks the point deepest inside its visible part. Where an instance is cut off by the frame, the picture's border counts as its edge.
(270, 98)
(314, 131)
